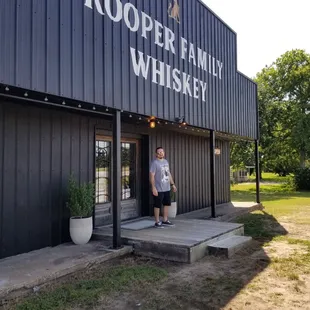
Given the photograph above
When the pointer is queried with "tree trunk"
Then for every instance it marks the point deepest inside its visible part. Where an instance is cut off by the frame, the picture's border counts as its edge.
(302, 158)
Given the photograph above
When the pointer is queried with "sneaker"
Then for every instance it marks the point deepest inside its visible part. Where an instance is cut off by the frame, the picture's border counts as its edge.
(167, 223)
(158, 225)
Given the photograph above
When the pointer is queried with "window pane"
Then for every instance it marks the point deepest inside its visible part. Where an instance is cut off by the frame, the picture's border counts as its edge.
(128, 175)
(103, 171)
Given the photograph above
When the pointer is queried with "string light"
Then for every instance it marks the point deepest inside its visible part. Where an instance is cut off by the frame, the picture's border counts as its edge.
(152, 122)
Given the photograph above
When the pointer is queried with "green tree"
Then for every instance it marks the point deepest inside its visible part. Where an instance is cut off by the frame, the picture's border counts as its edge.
(284, 96)
(242, 154)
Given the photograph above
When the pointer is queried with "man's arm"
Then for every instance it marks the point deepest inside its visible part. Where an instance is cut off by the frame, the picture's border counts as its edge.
(172, 183)
(152, 181)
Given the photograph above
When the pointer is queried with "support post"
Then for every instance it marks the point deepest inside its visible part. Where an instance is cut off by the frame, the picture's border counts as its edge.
(117, 180)
(257, 171)
(257, 151)
(212, 172)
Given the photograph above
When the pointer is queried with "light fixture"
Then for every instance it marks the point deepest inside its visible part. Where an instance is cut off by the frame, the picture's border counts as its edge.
(94, 108)
(152, 121)
(130, 116)
(45, 99)
(181, 120)
(26, 94)
(217, 151)
(79, 106)
(64, 102)
(7, 88)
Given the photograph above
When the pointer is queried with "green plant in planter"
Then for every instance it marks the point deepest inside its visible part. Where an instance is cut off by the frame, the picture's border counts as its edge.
(81, 198)
(172, 195)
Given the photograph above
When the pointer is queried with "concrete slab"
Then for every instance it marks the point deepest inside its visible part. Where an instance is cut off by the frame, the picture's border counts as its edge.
(226, 212)
(228, 246)
(30, 270)
(187, 241)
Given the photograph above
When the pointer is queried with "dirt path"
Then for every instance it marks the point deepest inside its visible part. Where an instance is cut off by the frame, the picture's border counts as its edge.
(274, 276)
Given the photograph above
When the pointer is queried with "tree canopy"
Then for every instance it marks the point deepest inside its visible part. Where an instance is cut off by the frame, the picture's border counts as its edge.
(284, 101)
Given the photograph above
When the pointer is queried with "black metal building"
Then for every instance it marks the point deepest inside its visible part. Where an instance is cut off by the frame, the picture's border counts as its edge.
(80, 81)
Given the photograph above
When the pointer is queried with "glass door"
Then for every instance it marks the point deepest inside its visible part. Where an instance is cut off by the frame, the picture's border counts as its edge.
(130, 186)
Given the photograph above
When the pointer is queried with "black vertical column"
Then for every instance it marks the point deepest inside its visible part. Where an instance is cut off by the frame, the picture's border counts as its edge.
(116, 180)
(257, 171)
(212, 172)
(257, 151)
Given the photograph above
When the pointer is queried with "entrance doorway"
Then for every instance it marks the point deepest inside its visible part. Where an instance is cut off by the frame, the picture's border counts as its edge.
(130, 180)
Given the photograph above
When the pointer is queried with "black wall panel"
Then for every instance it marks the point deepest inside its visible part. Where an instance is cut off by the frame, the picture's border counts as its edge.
(39, 148)
(189, 158)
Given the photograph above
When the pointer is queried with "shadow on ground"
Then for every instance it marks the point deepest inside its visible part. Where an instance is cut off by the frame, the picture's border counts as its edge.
(144, 283)
(213, 282)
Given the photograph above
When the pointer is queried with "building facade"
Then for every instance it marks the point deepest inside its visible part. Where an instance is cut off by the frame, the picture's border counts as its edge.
(80, 83)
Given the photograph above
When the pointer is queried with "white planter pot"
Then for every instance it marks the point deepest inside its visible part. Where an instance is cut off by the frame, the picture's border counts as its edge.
(172, 210)
(81, 229)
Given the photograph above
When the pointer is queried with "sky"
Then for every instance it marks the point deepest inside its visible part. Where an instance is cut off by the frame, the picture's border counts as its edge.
(265, 29)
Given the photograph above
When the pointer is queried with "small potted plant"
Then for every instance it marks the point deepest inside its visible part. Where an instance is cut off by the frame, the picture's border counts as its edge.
(172, 210)
(80, 204)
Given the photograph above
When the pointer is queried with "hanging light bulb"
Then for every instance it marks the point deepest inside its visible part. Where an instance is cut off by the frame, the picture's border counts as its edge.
(152, 122)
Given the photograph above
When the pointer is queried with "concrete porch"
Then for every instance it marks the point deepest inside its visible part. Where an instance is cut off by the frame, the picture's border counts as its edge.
(192, 236)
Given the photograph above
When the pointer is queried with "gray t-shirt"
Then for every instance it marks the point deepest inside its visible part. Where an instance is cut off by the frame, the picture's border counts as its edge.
(162, 174)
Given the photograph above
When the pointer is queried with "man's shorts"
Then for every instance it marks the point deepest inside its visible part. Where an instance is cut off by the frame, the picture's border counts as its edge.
(163, 198)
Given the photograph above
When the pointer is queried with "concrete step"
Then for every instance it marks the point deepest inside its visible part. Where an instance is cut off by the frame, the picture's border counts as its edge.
(228, 246)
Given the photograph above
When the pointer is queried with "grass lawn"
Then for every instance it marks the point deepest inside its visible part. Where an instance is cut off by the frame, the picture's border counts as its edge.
(270, 177)
(272, 273)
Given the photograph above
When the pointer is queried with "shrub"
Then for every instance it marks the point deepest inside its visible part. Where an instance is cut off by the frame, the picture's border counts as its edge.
(81, 198)
(289, 184)
(302, 179)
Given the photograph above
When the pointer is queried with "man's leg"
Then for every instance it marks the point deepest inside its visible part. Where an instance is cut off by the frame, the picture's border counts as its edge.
(167, 204)
(157, 206)
(165, 215)
(156, 214)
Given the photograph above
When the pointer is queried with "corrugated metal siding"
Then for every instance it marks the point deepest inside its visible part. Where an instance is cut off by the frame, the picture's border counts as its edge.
(67, 49)
(189, 159)
(246, 92)
(38, 150)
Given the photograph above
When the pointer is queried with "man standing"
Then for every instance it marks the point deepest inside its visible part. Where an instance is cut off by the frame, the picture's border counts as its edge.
(161, 180)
